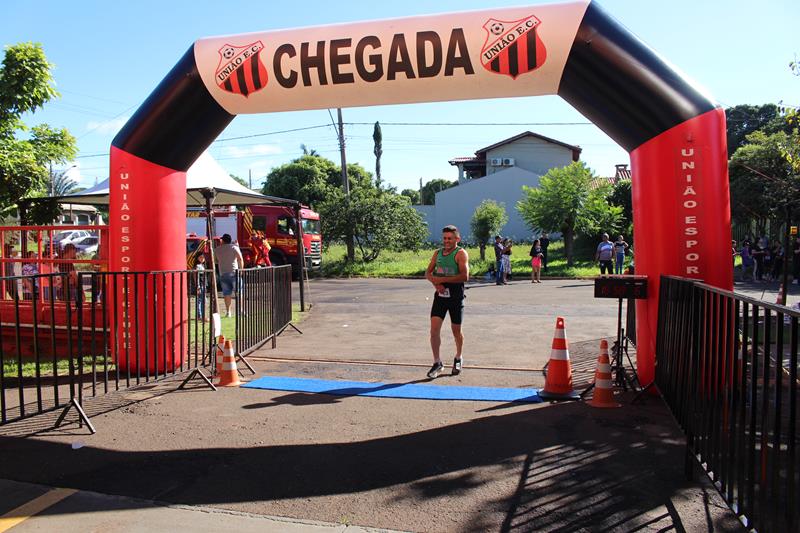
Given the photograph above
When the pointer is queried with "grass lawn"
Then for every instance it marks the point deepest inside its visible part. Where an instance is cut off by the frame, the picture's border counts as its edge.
(413, 264)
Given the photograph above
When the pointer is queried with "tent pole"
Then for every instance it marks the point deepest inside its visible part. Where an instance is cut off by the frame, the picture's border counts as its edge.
(209, 194)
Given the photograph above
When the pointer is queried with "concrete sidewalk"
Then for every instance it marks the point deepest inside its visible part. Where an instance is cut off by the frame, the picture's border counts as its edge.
(32, 508)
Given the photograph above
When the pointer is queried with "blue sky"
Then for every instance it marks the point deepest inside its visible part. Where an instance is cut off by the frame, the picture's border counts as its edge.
(109, 56)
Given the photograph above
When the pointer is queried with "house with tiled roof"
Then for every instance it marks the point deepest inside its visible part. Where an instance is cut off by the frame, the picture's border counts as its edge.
(497, 172)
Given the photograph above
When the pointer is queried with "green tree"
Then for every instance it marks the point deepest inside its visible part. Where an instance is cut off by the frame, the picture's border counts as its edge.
(566, 202)
(377, 138)
(764, 176)
(378, 220)
(429, 190)
(621, 196)
(26, 84)
(486, 221)
(742, 120)
(307, 179)
(412, 195)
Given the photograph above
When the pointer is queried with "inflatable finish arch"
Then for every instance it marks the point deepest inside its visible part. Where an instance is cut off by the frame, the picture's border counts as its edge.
(674, 133)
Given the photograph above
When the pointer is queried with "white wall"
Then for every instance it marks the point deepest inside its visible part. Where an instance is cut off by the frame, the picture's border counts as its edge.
(457, 204)
(530, 153)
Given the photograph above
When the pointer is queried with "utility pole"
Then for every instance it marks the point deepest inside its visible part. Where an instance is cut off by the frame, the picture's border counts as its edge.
(250, 177)
(351, 252)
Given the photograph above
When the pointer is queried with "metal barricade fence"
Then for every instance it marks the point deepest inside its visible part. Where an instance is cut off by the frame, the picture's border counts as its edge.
(264, 306)
(78, 334)
(727, 367)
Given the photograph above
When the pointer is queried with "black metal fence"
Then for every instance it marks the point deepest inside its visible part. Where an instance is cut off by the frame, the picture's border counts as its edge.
(264, 306)
(72, 335)
(727, 366)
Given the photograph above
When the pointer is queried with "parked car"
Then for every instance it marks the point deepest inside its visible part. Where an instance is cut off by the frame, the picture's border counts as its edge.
(87, 245)
(63, 238)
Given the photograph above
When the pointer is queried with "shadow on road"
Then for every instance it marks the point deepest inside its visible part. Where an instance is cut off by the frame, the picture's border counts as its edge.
(576, 469)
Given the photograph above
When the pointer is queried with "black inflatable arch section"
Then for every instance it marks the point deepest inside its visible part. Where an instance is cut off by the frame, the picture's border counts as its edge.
(674, 132)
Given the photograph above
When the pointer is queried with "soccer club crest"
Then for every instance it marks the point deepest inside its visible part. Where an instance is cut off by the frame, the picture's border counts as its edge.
(513, 47)
(240, 69)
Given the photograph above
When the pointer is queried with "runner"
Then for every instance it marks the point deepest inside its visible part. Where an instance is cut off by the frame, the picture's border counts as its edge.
(447, 271)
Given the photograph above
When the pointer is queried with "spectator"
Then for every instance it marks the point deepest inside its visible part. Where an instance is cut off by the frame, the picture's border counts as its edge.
(73, 291)
(758, 253)
(536, 261)
(229, 259)
(498, 259)
(620, 247)
(748, 263)
(544, 242)
(506, 259)
(200, 287)
(776, 253)
(30, 268)
(605, 255)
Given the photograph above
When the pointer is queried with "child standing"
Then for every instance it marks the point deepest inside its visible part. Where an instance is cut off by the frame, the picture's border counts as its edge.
(200, 288)
(537, 256)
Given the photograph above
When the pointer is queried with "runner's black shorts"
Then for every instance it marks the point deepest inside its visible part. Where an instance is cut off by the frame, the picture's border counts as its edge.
(455, 306)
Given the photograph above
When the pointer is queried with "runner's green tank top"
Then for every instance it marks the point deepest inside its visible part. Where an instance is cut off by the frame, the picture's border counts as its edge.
(446, 264)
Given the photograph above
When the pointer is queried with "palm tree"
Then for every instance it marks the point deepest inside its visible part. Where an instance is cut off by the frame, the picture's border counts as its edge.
(308, 151)
(63, 185)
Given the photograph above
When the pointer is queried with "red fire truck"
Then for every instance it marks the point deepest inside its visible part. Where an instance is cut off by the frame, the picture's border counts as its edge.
(276, 223)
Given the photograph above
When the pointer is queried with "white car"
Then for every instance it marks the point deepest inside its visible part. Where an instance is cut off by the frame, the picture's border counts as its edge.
(87, 245)
(62, 238)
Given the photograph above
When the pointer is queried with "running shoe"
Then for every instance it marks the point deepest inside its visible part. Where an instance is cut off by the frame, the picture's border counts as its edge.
(435, 370)
(457, 366)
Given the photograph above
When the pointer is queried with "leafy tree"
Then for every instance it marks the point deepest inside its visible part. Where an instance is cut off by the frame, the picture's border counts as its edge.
(566, 202)
(377, 137)
(621, 196)
(764, 175)
(744, 119)
(307, 179)
(486, 221)
(429, 190)
(26, 84)
(378, 220)
(412, 195)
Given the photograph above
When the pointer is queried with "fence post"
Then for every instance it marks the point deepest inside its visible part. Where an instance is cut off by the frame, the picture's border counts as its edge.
(692, 372)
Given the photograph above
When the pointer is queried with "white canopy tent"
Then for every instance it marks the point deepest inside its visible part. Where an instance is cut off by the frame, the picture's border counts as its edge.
(204, 175)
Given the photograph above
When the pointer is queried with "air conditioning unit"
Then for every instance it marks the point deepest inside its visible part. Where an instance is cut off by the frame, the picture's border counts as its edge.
(508, 161)
(496, 161)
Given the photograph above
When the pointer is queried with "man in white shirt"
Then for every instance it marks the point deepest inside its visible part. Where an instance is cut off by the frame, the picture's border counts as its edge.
(229, 260)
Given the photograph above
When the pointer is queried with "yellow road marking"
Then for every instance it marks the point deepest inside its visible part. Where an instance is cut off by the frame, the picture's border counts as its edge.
(33, 507)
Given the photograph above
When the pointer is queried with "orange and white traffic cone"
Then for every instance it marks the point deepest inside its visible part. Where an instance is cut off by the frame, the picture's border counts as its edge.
(558, 383)
(779, 300)
(218, 358)
(603, 388)
(228, 374)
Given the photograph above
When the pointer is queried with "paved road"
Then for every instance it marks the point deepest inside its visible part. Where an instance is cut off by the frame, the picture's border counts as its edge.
(418, 465)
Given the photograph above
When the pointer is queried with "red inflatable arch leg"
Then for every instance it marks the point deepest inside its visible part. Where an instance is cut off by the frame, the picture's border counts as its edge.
(681, 216)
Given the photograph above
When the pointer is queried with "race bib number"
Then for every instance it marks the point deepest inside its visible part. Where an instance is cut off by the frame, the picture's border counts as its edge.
(444, 293)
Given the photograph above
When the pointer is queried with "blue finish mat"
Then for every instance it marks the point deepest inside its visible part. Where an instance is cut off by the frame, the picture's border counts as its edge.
(395, 390)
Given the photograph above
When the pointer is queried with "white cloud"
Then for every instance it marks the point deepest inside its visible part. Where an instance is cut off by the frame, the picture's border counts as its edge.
(251, 151)
(108, 126)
